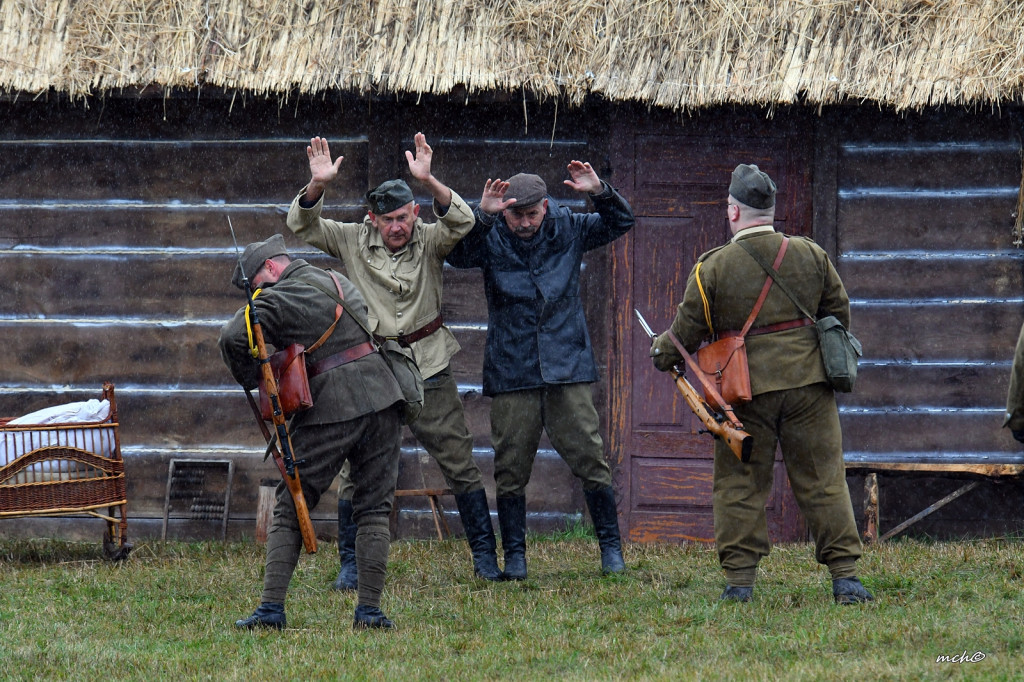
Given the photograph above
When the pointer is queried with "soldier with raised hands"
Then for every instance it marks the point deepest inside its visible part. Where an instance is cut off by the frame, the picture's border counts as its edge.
(396, 260)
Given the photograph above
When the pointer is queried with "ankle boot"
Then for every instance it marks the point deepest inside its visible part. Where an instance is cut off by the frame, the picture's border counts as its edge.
(850, 591)
(512, 521)
(476, 519)
(371, 618)
(348, 576)
(601, 503)
(268, 615)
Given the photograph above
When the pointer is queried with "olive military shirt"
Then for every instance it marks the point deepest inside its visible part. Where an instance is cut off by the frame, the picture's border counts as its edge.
(402, 289)
(732, 281)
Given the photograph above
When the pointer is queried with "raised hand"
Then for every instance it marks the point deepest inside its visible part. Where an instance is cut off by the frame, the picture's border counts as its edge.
(583, 178)
(493, 199)
(322, 170)
(419, 163)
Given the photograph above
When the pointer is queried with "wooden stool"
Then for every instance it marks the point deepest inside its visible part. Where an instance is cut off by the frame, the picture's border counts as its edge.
(435, 508)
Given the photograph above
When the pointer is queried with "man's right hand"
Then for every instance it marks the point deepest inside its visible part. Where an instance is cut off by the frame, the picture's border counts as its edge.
(493, 199)
(321, 169)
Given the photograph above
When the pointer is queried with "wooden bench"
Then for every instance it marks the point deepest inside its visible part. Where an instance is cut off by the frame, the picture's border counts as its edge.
(973, 474)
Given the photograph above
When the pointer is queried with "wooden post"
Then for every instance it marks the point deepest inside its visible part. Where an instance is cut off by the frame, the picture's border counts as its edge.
(871, 508)
(265, 507)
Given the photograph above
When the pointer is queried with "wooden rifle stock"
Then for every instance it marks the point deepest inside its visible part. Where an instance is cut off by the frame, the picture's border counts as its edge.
(740, 442)
(723, 425)
(283, 457)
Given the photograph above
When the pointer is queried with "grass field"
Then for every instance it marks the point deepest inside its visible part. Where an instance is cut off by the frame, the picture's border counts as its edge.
(950, 610)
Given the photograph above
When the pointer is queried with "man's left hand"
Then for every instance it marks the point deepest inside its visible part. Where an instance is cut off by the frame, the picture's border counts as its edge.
(583, 178)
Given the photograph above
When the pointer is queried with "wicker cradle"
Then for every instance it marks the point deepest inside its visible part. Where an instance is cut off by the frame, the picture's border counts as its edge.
(63, 469)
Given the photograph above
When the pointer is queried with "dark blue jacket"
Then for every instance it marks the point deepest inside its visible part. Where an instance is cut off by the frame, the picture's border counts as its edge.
(536, 331)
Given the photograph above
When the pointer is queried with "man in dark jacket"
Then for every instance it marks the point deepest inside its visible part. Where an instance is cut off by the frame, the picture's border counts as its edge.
(538, 361)
(356, 416)
(792, 406)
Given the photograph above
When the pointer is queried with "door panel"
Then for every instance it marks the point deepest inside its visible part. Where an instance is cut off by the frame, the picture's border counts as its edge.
(677, 184)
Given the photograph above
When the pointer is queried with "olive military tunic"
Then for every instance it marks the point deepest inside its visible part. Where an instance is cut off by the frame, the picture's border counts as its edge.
(792, 405)
(403, 293)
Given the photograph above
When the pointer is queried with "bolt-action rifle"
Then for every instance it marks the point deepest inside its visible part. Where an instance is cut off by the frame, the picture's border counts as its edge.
(720, 424)
(283, 457)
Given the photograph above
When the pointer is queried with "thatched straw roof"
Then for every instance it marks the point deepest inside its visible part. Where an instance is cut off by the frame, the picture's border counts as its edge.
(680, 54)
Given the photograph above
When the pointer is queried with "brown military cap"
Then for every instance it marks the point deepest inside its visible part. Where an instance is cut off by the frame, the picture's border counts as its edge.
(255, 255)
(388, 196)
(527, 189)
(752, 186)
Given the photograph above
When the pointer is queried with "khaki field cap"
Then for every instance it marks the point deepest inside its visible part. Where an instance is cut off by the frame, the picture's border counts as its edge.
(527, 189)
(389, 196)
(255, 255)
(752, 186)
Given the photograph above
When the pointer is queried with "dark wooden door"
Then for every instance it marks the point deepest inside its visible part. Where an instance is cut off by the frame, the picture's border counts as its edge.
(678, 186)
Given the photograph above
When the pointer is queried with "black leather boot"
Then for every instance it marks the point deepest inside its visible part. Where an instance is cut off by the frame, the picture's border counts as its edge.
(348, 576)
(740, 594)
(476, 519)
(512, 521)
(268, 615)
(371, 618)
(601, 503)
(850, 591)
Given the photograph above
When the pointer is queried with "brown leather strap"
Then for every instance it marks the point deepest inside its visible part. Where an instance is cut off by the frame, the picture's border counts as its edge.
(339, 359)
(764, 290)
(768, 329)
(338, 310)
(412, 337)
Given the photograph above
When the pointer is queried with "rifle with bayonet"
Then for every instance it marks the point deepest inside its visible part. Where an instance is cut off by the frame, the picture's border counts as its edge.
(722, 423)
(284, 456)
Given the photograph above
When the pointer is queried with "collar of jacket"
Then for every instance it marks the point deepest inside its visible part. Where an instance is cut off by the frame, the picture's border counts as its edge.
(752, 231)
(293, 267)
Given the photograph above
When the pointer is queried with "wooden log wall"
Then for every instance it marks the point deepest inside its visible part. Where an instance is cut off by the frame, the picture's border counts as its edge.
(918, 211)
(116, 256)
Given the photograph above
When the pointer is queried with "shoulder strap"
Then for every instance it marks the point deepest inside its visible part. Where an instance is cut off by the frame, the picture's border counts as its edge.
(767, 283)
(340, 300)
(337, 313)
(774, 274)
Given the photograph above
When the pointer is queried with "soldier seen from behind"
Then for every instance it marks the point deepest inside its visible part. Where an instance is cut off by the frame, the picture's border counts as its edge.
(792, 406)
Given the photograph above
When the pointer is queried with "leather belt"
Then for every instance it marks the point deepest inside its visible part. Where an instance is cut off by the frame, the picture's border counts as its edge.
(768, 329)
(412, 337)
(339, 359)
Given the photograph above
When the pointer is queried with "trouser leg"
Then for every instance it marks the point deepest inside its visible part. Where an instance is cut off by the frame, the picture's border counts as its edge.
(374, 462)
(811, 441)
(740, 492)
(373, 542)
(572, 425)
(441, 430)
(515, 433)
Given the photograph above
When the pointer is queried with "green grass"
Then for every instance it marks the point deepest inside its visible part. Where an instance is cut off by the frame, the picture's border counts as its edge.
(167, 613)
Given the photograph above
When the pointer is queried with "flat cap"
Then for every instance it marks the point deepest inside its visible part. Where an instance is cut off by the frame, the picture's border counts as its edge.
(752, 186)
(389, 196)
(527, 189)
(255, 255)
